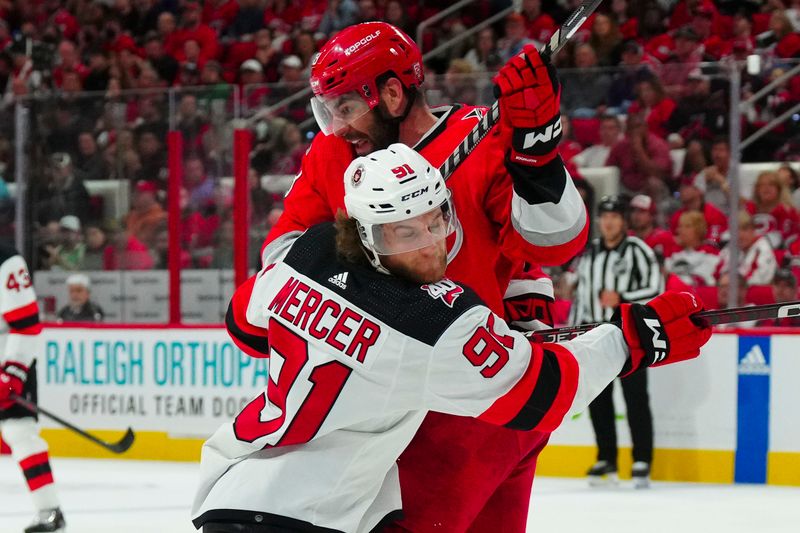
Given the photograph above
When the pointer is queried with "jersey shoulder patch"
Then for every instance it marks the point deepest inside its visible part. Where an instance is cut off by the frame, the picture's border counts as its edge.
(423, 312)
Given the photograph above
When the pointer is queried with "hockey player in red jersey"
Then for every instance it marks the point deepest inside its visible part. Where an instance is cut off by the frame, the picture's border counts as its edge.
(517, 203)
(19, 345)
(365, 335)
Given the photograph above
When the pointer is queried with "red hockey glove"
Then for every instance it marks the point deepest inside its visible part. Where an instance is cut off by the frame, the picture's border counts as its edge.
(12, 378)
(662, 331)
(529, 95)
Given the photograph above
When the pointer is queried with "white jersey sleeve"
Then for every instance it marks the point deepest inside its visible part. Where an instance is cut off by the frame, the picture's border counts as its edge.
(482, 368)
(20, 313)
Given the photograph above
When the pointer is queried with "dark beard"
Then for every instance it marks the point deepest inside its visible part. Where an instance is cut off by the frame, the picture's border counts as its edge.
(385, 129)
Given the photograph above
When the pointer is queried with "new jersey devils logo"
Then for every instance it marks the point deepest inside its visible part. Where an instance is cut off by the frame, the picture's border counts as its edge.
(445, 290)
(357, 176)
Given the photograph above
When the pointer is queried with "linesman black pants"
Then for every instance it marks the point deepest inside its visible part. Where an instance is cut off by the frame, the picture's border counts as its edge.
(640, 420)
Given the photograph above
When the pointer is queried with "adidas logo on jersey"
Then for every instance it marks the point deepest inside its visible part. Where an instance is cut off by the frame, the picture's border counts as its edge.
(340, 280)
(446, 290)
(754, 363)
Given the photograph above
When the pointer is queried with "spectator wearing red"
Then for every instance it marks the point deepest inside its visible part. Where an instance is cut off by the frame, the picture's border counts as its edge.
(68, 61)
(743, 41)
(193, 29)
(597, 154)
(713, 179)
(686, 56)
(192, 124)
(251, 79)
(757, 264)
(654, 104)
(539, 26)
(291, 81)
(643, 214)
(782, 37)
(284, 12)
(696, 262)
(686, 10)
(125, 252)
(692, 199)
(703, 23)
(623, 15)
(606, 40)
(146, 214)
(773, 213)
(167, 28)
(642, 158)
(220, 14)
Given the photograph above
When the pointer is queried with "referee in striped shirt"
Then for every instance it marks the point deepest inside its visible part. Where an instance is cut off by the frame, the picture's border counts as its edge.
(617, 268)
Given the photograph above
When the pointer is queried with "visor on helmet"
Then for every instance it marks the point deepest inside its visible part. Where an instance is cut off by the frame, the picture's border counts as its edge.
(335, 112)
(429, 228)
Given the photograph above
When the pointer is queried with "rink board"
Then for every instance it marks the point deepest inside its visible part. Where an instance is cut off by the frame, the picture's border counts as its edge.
(729, 416)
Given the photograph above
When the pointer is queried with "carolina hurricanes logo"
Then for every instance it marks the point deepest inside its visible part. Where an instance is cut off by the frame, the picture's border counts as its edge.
(357, 176)
(476, 113)
(445, 290)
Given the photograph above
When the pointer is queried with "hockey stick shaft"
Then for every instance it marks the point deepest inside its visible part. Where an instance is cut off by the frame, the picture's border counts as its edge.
(490, 118)
(704, 318)
(116, 447)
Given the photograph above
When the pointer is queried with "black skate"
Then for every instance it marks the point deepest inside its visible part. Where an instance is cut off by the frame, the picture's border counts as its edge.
(48, 521)
(602, 473)
(641, 474)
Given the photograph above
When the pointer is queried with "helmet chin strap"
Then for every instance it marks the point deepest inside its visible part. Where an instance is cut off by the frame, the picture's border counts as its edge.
(375, 261)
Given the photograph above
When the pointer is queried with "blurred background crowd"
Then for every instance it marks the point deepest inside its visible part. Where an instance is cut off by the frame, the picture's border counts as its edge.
(646, 89)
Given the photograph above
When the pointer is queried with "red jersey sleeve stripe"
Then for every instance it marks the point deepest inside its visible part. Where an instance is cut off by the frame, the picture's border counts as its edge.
(505, 408)
(251, 339)
(24, 319)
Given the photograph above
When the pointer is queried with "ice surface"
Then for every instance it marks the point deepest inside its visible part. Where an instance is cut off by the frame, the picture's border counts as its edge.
(154, 497)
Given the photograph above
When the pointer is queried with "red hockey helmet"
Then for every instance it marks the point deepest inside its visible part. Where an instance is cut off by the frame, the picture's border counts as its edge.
(352, 61)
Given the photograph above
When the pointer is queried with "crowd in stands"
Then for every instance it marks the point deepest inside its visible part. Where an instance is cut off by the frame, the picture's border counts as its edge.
(646, 88)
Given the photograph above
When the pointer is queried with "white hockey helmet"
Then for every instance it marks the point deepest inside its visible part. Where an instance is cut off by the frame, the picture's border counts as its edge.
(397, 185)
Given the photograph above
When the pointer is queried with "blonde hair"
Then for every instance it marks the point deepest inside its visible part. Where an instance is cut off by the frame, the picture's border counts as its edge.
(697, 221)
(771, 178)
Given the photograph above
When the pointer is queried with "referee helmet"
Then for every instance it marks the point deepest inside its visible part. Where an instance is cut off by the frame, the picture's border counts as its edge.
(612, 204)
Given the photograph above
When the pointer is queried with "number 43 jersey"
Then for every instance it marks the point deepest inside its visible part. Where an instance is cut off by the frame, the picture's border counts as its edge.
(19, 315)
(357, 358)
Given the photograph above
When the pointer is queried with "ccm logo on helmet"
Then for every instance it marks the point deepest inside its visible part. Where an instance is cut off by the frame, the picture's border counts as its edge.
(358, 44)
(413, 194)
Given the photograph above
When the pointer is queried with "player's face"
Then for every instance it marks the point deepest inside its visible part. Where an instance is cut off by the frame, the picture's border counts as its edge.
(612, 225)
(426, 265)
(369, 133)
(422, 265)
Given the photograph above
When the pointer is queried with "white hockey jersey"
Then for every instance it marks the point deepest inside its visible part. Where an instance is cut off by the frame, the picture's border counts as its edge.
(357, 358)
(19, 315)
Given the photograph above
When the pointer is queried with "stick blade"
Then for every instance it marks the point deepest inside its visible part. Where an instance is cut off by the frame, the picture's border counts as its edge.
(123, 444)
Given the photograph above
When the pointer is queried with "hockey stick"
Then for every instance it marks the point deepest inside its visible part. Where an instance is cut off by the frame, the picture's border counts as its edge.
(490, 118)
(120, 446)
(704, 318)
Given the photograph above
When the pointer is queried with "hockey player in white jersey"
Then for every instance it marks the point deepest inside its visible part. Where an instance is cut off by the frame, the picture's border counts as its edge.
(365, 336)
(19, 346)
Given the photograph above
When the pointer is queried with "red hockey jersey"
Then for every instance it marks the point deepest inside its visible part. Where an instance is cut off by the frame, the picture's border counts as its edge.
(501, 226)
